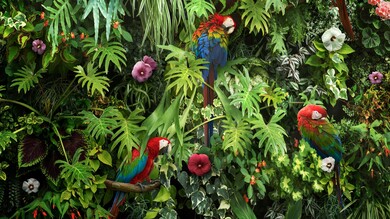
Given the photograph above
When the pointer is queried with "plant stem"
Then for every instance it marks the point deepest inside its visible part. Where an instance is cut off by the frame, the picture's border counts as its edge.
(212, 119)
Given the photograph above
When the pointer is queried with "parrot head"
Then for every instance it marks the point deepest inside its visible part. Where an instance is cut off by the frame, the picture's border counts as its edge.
(226, 22)
(313, 112)
(159, 144)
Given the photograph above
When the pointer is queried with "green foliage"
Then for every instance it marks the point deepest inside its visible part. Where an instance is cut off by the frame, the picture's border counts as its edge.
(99, 9)
(201, 8)
(5, 139)
(107, 52)
(277, 5)
(61, 16)
(100, 127)
(255, 16)
(94, 80)
(184, 71)
(247, 95)
(127, 130)
(27, 78)
(237, 135)
(270, 135)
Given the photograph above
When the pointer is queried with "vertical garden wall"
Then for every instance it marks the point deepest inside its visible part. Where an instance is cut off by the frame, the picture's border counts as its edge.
(83, 83)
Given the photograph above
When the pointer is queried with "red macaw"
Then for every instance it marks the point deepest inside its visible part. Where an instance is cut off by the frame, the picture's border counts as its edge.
(210, 43)
(322, 136)
(138, 169)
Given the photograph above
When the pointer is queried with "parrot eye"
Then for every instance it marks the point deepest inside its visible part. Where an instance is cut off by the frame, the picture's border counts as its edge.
(316, 115)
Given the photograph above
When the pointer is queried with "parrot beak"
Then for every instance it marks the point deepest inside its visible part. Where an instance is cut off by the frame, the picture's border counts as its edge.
(167, 149)
(228, 25)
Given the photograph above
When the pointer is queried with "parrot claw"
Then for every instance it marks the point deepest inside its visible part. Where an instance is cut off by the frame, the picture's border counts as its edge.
(141, 186)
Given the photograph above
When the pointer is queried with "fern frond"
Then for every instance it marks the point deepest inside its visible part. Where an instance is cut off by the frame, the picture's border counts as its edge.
(60, 17)
(255, 16)
(247, 95)
(201, 8)
(102, 126)
(277, 40)
(5, 139)
(237, 134)
(270, 135)
(126, 131)
(27, 77)
(107, 52)
(94, 81)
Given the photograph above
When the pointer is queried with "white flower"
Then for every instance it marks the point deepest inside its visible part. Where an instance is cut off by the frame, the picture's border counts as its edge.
(333, 39)
(327, 164)
(31, 185)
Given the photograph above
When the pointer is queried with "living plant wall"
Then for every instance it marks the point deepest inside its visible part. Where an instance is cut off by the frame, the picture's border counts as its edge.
(84, 82)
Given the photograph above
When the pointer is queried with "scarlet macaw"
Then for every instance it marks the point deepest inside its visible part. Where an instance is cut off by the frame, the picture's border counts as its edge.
(209, 42)
(138, 169)
(322, 136)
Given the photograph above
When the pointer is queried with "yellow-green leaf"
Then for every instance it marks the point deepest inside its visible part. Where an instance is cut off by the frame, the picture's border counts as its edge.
(105, 158)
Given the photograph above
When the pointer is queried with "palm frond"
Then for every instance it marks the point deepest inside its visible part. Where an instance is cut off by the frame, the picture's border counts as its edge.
(100, 127)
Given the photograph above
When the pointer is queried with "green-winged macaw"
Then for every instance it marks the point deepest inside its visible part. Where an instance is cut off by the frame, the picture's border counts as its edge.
(210, 42)
(138, 169)
(323, 137)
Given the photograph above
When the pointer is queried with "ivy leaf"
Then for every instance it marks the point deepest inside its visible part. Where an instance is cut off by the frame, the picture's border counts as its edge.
(255, 16)
(94, 80)
(370, 39)
(270, 135)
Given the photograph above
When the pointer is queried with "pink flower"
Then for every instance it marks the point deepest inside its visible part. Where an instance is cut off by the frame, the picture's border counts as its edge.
(141, 71)
(383, 10)
(375, 77)
(199, 164)
(38, 46)
(373, 2)
(148, 60)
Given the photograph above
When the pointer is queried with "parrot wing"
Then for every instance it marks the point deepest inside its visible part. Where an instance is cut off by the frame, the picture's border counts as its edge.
(323, 137)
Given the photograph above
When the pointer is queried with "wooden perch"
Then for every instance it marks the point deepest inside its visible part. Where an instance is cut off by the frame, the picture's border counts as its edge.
(127, 187)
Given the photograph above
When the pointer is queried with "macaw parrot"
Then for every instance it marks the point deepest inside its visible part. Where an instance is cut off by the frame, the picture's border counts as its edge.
(322, 136)
(209, 42)
(138, 169)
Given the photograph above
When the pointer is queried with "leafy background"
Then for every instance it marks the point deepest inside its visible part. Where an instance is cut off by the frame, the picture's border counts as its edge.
(70, 115)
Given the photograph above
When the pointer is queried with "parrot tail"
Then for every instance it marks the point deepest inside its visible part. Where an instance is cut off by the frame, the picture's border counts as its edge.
(337, 185)
(208, 99)
(344, 18)
(118, 201)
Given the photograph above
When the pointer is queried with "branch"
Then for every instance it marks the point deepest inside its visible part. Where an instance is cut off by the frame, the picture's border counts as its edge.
(127, 187)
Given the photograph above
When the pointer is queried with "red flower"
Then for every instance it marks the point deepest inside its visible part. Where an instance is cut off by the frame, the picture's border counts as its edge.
(199, 164)
(115, 25)
(42, 15)
(246, 199)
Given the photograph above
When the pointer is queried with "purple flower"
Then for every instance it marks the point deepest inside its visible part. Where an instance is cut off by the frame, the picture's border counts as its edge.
(375, 77)
(148, 60)
(141, 71)
(38, 46)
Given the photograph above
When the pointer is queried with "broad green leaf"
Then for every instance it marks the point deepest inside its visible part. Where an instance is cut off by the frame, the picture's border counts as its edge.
(346, 49)
(13, 52)
(294, 210)
(105, 157)
(163, 195)
(370, 38)
(240, 208)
